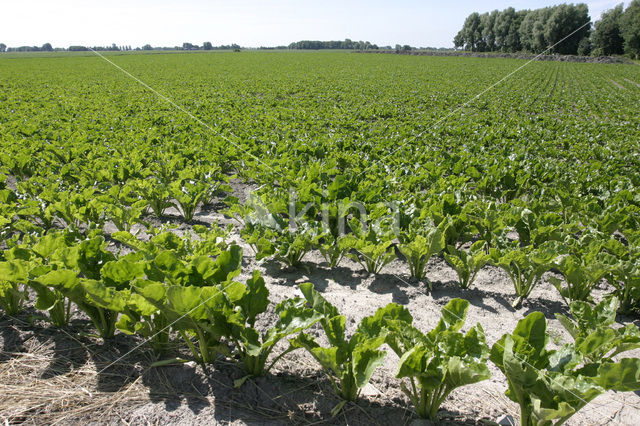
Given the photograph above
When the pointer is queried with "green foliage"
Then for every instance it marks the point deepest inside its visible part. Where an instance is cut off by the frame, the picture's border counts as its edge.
(349, 363)
(194, 312)
(553, 179)
(630, 29)
(623, 266)
(373, 246)
(525, 267)
(419, 246)
(581, 273)
(534, 30)
(592, 330)
(607, 36)
(467, 264)
(246, 304)
(12, 294)
(438, 362)
(552, 385)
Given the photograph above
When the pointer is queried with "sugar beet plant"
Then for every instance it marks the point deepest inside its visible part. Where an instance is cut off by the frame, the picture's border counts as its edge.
(435, 363)
(551, 385)
(348, 362)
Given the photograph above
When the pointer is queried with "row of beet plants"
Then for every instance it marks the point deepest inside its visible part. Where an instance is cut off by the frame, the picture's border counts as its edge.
(521, 242)
(178, 291)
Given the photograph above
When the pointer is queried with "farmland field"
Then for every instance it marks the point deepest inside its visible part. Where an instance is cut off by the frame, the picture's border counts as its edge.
(139, 196)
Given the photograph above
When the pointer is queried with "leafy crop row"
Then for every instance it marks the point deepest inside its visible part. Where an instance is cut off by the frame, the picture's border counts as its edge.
(166, 290)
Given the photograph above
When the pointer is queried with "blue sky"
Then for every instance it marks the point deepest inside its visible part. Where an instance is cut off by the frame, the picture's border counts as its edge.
(246, 22)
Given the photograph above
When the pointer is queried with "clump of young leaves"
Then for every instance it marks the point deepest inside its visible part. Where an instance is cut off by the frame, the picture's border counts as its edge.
(419, 245)
(191, 297)
(13, 278)
(438, 362)
(43, 252)
(487, 221)
(584, 265)
(624, 274)
(246, 303)
(194, 312)
(13, 292)
(467, 264)
(189, 194)
(593, 332)
(332, 244)
(36, 201)
(79, 209)
(156, 193)
(552, 385)
(525, 266)
(535, 229)
(76, 274)
(145, 319)
(581, 275)
(194, 187)
(62, 270)
(271, 235)
(332, 248)
(284, 243)
(373, 245)
(208, 240)
(349, 363)
(123, 206)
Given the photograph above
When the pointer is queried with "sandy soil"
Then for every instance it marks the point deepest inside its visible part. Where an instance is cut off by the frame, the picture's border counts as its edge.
(65, 376)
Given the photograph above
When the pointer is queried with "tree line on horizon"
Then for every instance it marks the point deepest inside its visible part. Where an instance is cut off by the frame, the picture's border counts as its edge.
(303, 44)
(562, 29)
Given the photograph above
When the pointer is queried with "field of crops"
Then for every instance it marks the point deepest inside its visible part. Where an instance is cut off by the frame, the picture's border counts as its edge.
(299, 237)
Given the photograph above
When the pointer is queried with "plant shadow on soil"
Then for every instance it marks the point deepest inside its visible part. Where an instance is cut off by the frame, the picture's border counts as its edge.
(70, 348)
(12, 338)
(310, 272)
(275, 398)
(282, 397)
(451, 289)
(68, 353)
(401, 291)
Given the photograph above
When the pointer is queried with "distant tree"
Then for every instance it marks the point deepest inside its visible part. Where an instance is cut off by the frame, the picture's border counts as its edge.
(472, 32)
(487, 22)
(77, 48)
(147, 47)
(565, 19)
(506, 29)
(3, 47)
(630, 28)
(607, 36)
(458, 40)
(531, 31)
(188, 46)
(46, 47)
(535, 30)
(585, 47)
(207, 45)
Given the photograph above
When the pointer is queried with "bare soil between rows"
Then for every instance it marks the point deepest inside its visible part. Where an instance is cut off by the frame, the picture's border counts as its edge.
(66, 376)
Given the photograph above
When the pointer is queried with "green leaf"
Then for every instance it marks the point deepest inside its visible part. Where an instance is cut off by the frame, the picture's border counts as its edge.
(364, 363)
(622, 376)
